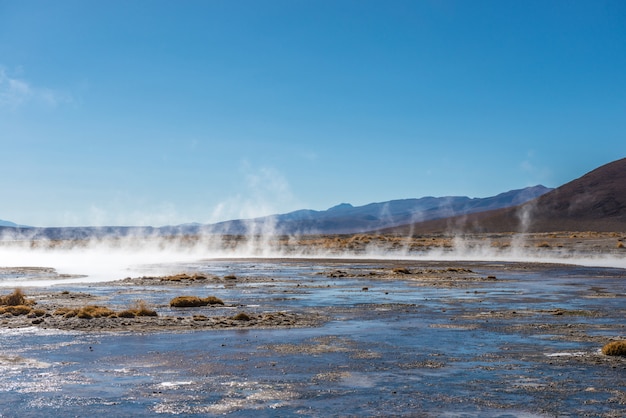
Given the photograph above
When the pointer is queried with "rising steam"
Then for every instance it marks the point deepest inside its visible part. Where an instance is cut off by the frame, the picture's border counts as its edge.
(114, 258)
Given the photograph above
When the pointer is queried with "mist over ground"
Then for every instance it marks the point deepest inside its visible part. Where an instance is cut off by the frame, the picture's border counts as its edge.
(109, 259)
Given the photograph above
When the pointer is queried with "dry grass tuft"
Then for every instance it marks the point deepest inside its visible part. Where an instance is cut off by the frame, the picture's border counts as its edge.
(141, 308)
(16, 310)
(186, 302)
(66, 312)
(615, 348)
(16, 298)
(401, 270)
(36, 313)
(183, 276)
(620, 244)
(86, 312)
(128, 313)
(543, 244)
(212, 300)
(94, 311)
(194, 301)
(242, 316)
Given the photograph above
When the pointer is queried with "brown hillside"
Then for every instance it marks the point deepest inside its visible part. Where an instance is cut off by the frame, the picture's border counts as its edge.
(593, 202)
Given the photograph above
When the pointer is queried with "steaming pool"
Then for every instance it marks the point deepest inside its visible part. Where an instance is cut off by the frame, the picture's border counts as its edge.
(442, 338)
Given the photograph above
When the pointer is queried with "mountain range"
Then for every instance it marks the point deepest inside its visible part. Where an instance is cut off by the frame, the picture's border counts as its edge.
(594, 202)
(347, 219)
(341, 219)
(11, 224)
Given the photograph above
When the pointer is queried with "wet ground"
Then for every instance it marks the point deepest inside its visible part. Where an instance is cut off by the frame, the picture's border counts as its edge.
(391, 338)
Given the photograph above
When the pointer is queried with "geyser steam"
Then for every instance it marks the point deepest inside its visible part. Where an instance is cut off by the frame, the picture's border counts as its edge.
(115, 258)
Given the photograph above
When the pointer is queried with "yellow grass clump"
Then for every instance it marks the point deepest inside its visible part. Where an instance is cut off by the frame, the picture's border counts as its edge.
(615, 348)
(212, 300)
(15, 310)
(36, 313)
(128, 313)
(86, 312)
(194, 301)
(139, 308)
(94, 311)
(242, 316)
(183, 276)
(66, 312)
(15, 299)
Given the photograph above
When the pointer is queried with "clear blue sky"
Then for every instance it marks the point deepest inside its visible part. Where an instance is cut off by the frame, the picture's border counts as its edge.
(166, 112)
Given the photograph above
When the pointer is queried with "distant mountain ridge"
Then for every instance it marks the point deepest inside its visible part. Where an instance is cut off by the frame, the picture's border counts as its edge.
(594, 202)
(11, 224)
(347, 219)
(341, 219)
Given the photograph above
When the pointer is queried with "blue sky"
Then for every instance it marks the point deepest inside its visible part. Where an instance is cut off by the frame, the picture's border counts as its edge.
(162, 112)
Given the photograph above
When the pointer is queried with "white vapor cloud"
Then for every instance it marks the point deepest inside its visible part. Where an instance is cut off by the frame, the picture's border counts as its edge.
(266, 192)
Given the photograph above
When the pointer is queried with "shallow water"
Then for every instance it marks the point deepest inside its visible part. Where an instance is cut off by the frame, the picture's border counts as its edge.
(399, 348)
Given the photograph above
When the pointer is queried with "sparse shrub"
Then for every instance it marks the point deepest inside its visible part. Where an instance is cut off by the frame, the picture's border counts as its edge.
(128, 313)
(543, 245)
(242, 316)
(401, 270)
(194, 301)
(16, 310)
(183, 276)
(15, 299)
(36, 313)
(200, 318)
(230, 277)
(620, 244)
(186, 302)
(615, 348)
(94, 311)
(86, 312)
(64, 312)
(212, 300)
(140, 308)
